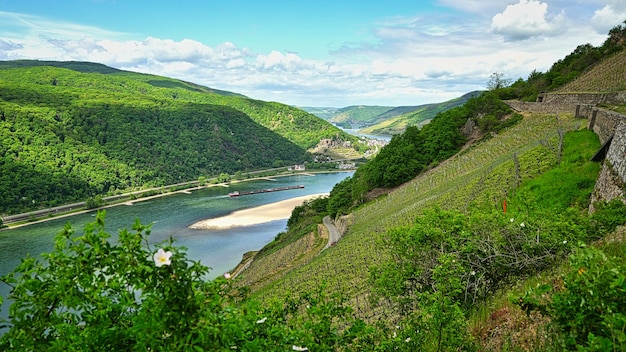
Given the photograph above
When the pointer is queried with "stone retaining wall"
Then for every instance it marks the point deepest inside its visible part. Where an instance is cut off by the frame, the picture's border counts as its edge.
(612, 179)
(611, 182)
(552, 108)
(603, 122)
(616, 98)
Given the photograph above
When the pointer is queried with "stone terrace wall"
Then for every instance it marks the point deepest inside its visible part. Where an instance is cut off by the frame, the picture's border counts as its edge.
(605, 123)
(551, 108)
(617, 152)
(612, 179)
(556, 103)
(617, 98)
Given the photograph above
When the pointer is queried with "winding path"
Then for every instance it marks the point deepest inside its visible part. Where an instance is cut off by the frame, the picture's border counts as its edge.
(333, 232)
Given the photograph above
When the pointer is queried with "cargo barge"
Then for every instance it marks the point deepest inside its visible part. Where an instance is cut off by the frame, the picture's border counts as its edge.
(267, 190)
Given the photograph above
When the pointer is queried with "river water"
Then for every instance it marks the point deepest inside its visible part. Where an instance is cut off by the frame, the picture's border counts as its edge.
(171, 215)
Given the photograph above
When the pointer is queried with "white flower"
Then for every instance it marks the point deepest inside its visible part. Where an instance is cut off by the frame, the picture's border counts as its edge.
(522, 225)
(261, 321)
(512, 220)
(227, 276)
(298, 348)
(565, 242)
(472, 273)
(162, 257)
(408, 339)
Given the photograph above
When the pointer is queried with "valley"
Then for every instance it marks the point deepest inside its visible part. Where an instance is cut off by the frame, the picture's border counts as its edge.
(498, 225)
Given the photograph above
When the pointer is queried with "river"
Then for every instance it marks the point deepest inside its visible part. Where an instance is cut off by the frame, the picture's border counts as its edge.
(171, 215)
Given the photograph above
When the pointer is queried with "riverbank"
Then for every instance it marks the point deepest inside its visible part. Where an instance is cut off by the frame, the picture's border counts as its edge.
(78, 208)
(254, 216)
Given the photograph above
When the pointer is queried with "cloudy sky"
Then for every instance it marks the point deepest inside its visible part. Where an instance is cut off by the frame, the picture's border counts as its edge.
(313, 53)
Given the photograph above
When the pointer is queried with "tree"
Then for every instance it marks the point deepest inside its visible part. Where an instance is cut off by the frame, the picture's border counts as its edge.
(497, 81)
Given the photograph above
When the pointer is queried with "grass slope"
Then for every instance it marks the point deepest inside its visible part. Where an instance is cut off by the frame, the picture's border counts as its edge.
(481, 174)
(358, 114)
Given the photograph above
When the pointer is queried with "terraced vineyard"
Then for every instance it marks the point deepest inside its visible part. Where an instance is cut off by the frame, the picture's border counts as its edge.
(482, 174)
(275, 265)
(609, 75)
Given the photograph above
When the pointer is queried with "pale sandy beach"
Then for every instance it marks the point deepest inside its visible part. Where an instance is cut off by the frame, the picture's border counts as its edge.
(253, 216)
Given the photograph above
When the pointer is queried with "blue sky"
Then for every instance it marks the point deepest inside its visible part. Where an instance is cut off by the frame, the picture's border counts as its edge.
(313, 53)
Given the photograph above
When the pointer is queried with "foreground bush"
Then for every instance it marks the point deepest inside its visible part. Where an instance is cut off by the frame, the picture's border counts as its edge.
(589, 312)
(91, 293)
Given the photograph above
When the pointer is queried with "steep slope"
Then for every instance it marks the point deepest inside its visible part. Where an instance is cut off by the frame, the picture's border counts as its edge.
(533, 166)
(325, 113)
(481, 175)
(608, 75)
(67, 135)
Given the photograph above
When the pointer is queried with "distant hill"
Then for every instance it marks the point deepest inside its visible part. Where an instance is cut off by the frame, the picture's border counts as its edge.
(396, 120)
(385, 120)
(298, 126)
(73, 130)
(358, 115)
(325, 113)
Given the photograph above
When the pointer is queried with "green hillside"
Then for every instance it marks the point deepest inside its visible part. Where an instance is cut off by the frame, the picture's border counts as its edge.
(358, 115)
(76, 130)
(298, 126)
(450, 244)
(384, 120)
(483, 238)
(416, 116)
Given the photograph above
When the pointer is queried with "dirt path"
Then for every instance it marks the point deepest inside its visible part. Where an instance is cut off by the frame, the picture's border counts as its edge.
(333, 232)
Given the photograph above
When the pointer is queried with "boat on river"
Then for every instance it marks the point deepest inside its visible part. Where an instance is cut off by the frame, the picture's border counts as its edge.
(266, 190)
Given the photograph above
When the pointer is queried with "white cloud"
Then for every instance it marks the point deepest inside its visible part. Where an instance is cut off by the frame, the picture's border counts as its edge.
(278, 60)
(528, 18)
(609, 16)
(411, 60)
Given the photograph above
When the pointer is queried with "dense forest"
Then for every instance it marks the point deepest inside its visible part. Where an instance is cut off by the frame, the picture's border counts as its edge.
(71, 131)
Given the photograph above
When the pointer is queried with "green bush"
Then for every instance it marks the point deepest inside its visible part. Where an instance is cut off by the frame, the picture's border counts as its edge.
(92, 293)
(591, 311)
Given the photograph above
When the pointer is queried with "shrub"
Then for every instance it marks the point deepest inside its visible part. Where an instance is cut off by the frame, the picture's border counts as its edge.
(92, 293)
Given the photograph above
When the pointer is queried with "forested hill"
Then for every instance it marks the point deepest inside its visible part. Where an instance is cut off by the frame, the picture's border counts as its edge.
(300, 127)
(73, 132)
